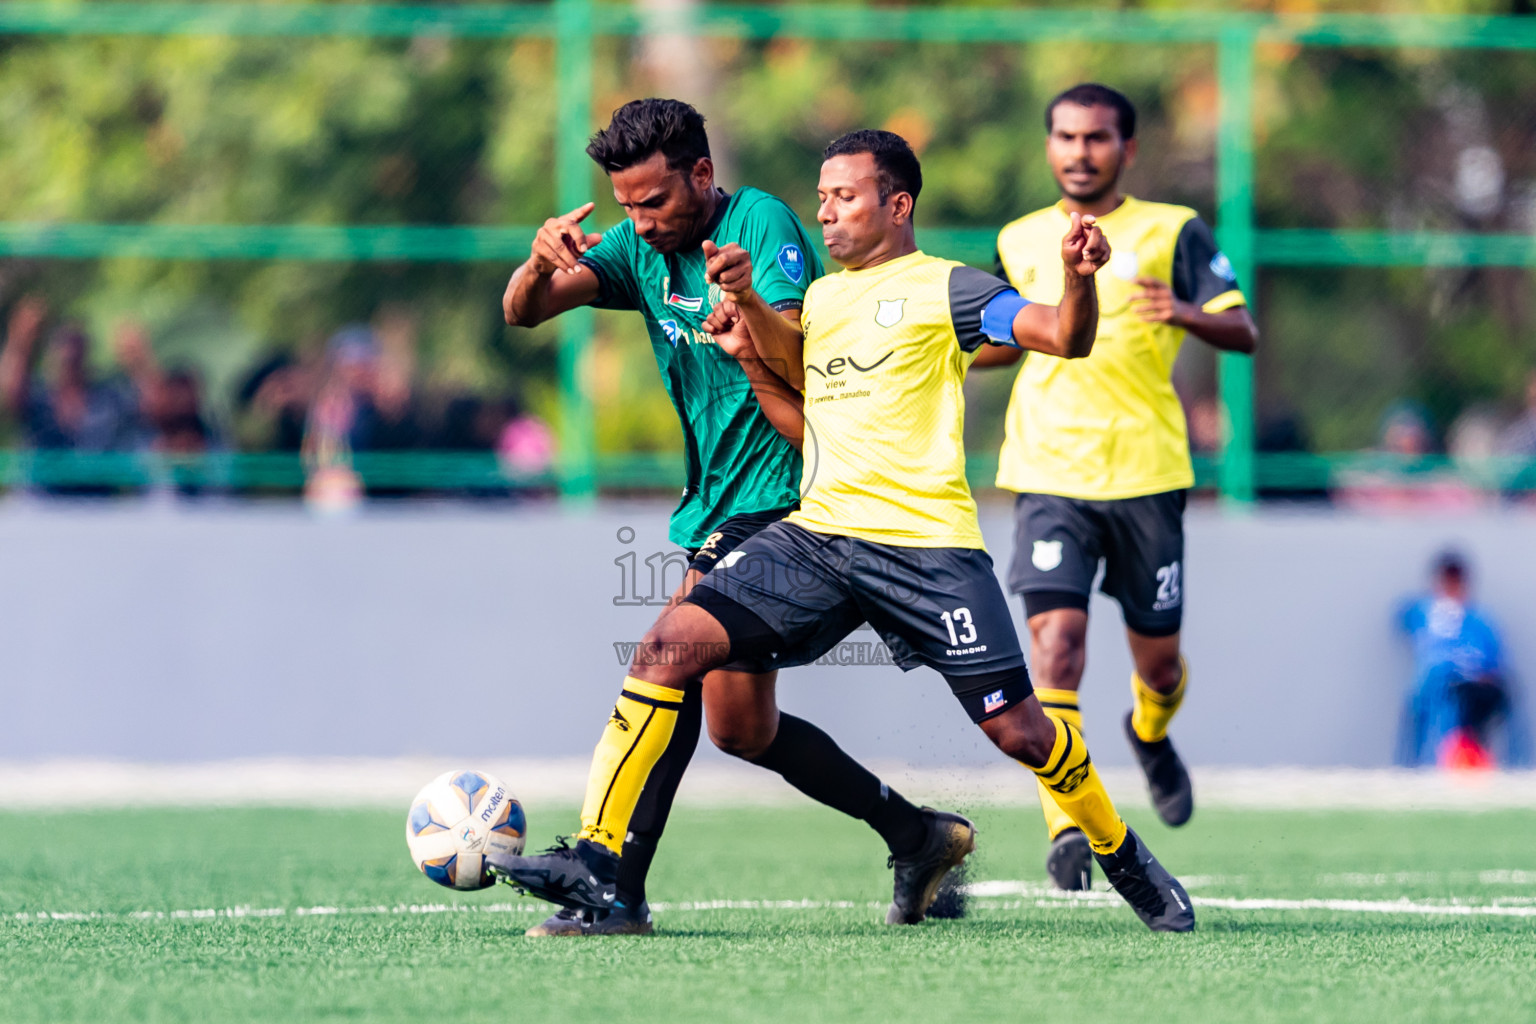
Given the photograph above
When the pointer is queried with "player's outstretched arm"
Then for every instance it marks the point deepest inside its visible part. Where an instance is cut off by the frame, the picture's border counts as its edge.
(781, 404)
(1231, 330)
(778, 338)
(1068, 330)
(551, 281)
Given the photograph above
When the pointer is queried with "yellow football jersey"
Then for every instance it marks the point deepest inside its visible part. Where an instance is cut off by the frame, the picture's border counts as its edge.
(886, 352)
(1109, 426)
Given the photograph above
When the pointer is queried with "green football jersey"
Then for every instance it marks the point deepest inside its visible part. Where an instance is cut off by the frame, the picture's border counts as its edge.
(736, 461)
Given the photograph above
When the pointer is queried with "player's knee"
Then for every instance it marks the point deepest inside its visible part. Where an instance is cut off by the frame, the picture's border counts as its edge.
(665, 659)
(1161, 672)
(1059, 650)
(745, 740)
(1022, 735)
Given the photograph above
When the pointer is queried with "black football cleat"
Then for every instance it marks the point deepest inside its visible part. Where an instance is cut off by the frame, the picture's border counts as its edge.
(1156, 896)
(951, 902)
(1070, 862)
(621, 920)
(1172, 795)
(950, 840)
(564, 921)
(580, 877)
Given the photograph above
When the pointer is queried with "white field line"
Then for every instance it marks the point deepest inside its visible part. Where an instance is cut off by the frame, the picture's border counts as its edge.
(984, 898)
(711, 782)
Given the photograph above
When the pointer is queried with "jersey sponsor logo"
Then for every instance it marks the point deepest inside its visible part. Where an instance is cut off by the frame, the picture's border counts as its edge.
(672, 330)
(888, 312)
(1222, 267)
(1124, 264)
(684, 302)
(1046, 555)
(792, 262)
(839, 364)
(994, 701)
(731, 559)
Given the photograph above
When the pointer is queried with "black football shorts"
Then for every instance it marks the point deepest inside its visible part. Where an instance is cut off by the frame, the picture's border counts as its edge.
(1058, 543)
(728, 535)
(788, 596)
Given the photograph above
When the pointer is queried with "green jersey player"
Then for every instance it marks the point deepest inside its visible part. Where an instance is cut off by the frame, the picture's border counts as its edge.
(739, 420)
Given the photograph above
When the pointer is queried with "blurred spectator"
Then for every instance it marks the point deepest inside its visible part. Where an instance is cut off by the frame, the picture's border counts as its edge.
(1473, 435)
(63, 406)
(1460, 689)
(272, 405)
(1519, 438)
(526, 444)
(170, 405)
(1406, 433)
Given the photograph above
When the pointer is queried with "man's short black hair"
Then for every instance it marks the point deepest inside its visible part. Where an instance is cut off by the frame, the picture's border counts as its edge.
(1451, 564)
(1092, 94)
(641, 128)
(897, 166)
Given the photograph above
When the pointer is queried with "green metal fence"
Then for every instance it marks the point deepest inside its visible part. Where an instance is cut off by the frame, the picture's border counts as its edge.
(574, 25)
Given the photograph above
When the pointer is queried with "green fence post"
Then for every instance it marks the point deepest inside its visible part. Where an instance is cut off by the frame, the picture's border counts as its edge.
(1234, 225)
(573, 54)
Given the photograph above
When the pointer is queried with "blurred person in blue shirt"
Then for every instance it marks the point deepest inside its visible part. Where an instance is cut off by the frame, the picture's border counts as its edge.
(1461, 687)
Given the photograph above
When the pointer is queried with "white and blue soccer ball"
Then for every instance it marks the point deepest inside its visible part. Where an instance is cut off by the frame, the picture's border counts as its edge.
(456, 820)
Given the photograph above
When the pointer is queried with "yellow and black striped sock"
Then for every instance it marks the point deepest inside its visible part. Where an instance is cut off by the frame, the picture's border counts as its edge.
(633, 741)
(1062, 706)
(1152, 712)
(1077, 789)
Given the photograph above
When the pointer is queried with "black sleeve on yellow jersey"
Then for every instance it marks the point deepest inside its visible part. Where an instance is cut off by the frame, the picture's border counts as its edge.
(1201, 271)
(998, 270)
(971, 291)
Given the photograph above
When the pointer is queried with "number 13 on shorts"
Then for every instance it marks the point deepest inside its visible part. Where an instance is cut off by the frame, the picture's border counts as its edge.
(962, 618)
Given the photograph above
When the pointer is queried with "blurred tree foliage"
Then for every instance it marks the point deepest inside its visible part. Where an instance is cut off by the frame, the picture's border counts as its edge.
(439, 131)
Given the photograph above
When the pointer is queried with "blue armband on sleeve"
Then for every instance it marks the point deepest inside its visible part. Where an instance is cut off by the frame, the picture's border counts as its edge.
(997, 316)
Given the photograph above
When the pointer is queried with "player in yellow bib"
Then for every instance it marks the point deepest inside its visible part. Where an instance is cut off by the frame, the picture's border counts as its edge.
(1097, 449)
(886, 532)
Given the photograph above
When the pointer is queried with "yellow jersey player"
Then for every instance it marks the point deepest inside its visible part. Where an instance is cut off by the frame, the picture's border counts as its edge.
(886, 532)
(1097, 449)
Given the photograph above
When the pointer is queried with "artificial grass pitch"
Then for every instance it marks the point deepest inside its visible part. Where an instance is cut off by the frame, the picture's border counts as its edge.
(763, 914)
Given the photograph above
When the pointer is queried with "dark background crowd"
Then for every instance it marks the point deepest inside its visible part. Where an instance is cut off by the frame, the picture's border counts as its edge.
(357, 393)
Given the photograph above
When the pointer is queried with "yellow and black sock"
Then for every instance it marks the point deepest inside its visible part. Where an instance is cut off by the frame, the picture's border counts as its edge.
(1075, 787)
(1151, 712)
(1062, 706)
(655, 805)
(633, 741)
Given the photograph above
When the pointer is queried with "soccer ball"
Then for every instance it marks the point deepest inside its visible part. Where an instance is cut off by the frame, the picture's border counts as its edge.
(457, 819)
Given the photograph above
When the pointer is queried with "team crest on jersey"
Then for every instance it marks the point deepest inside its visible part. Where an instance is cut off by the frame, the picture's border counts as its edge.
(1124, 264)
(888, 312)
(1047, 555)
(792, 262)
(671, 329)
(1222, 267)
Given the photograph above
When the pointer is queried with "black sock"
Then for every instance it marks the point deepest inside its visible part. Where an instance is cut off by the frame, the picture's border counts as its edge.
(810, 761)
(650, 817)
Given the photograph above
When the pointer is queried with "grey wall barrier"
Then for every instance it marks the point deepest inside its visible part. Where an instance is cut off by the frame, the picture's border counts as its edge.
(162, 632)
